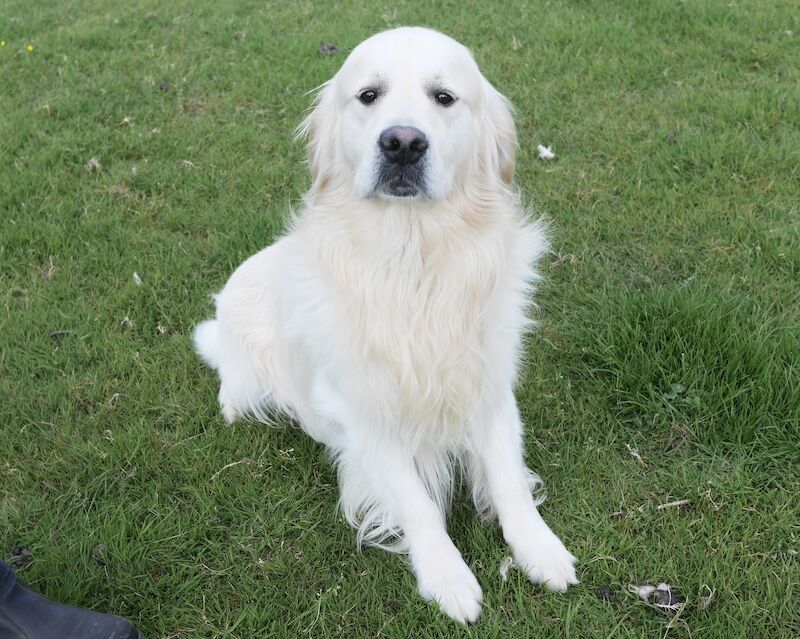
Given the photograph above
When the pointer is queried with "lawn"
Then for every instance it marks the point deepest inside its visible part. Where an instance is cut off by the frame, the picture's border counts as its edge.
(666, 366)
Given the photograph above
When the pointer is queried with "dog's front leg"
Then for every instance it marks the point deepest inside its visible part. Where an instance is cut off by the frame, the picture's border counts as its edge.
(385, 474)
(536, 548)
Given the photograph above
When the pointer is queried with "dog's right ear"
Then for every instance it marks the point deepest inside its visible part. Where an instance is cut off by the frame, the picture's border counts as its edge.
(499, 127)
(318, 130)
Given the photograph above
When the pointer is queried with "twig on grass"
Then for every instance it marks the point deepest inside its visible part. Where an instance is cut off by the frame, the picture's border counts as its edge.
(705, 602)
(246, 460)
(673, 504)
(634, 453)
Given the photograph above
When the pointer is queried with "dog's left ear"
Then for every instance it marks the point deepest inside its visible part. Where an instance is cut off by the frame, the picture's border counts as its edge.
(317, 129)
(498, 124)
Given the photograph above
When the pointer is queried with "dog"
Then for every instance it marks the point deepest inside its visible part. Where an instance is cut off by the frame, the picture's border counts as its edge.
(388, 321)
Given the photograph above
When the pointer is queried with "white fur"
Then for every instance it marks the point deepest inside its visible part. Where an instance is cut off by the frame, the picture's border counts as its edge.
(391, 328)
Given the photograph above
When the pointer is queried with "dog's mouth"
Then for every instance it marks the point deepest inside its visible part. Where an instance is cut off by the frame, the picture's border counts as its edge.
(401, 182)
(400, 187)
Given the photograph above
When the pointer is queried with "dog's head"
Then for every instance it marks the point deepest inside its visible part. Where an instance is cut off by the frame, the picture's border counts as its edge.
(409, 115)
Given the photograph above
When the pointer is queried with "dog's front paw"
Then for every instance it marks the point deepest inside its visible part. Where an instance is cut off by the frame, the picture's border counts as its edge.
(547, 562)
(448, 581)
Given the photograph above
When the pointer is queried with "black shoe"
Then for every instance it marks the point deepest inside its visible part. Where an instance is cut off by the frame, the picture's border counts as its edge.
(27, 615)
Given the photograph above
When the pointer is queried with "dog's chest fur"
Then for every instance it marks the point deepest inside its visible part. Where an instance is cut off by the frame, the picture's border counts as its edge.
(417, 300)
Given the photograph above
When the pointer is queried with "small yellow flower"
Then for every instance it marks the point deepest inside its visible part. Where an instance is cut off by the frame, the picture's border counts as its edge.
(29, 48)
(2, 43)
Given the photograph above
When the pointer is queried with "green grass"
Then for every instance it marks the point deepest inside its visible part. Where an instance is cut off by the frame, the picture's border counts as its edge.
(669, 324)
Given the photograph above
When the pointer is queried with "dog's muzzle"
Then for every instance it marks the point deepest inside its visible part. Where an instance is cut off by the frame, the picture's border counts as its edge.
(401, 170)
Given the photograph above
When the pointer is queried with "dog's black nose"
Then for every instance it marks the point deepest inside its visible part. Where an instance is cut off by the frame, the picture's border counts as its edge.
(403, 144)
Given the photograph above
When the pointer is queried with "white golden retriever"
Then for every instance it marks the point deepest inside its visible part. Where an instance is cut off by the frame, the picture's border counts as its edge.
(388, 321)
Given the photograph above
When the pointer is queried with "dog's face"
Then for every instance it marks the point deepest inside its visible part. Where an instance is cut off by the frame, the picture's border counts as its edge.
(409, 115)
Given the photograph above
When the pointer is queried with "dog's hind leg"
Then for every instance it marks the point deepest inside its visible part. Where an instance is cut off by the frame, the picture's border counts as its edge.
(242, 390)
(206, 342)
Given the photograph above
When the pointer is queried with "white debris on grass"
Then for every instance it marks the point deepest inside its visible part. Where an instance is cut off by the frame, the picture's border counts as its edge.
(643, 591)
(137, 279)
(505, 566)
(673, 504)
(545, 152)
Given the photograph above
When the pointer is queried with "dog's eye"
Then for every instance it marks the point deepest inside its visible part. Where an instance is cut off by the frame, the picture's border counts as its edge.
(444, 98)
(368, 96)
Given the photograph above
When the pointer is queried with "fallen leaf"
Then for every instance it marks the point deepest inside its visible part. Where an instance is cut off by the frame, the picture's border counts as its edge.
(99, 554)
(605, 593)
(328, 48)
(20, 556)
